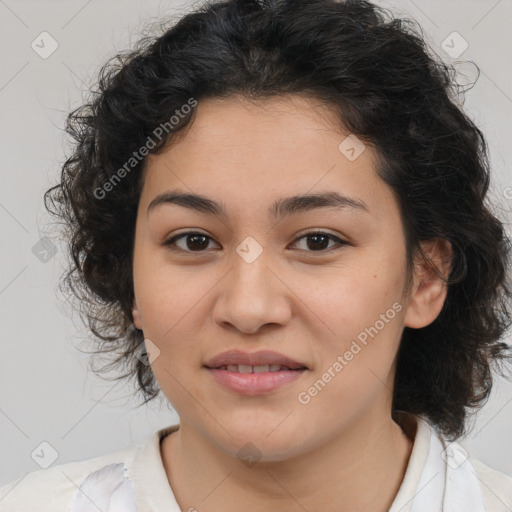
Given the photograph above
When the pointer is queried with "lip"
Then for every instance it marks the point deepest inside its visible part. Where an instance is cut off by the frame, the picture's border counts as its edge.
(262, 357)
(254, 383)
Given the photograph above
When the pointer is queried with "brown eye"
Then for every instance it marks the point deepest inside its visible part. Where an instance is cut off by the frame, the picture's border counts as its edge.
(194, 242)
(198, 242)
(318, 241)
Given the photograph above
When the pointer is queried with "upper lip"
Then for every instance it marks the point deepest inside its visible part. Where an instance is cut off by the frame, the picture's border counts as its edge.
(261, 358)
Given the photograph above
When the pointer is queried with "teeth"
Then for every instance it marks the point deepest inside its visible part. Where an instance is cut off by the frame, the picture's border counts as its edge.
(261, 369)
(242, 368)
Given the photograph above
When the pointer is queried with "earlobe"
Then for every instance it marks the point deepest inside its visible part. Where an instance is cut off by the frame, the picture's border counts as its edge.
(136, 315)
(429, 292)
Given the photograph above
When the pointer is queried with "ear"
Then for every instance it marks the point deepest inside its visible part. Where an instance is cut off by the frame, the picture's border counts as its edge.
(136, 315)
(429, 292)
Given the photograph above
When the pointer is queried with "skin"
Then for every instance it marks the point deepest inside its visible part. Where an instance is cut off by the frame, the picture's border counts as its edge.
(342, 451)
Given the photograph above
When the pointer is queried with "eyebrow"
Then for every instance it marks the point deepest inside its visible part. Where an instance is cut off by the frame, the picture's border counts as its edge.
(279, 209)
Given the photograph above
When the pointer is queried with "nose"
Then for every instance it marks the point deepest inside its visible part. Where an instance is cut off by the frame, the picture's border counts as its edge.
(252, 296)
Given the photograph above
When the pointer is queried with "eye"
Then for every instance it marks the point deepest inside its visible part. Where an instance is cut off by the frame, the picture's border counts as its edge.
(318, 239)
(194, 242)
(198, 242)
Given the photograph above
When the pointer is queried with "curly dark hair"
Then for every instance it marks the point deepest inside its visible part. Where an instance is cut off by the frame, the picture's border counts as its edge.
(386, 86)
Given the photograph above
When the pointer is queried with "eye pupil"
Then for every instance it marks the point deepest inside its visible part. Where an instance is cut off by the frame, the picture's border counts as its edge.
(316, 239)
(195, 237)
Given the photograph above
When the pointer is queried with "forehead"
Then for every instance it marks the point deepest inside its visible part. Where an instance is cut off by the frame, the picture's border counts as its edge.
(236, 149)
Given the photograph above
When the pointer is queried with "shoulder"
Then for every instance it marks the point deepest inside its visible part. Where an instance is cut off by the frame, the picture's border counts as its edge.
(466, 480)
(53, 489)
(496, 486)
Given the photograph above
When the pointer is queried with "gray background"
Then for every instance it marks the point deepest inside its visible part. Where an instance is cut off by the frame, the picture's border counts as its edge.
(47, 393)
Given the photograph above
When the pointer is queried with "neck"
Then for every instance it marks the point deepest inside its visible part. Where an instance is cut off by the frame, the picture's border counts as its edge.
(360, 469)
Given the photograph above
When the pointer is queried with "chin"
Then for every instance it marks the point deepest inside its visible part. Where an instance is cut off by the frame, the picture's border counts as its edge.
(260, 442)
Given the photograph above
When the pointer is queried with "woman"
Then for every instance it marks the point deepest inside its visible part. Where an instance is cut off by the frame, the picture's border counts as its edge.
(283, 205)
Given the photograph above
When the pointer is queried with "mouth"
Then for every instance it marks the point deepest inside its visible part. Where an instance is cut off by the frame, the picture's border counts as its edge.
(253, 362)
(243, 368)
(254, 373)
(255, 380)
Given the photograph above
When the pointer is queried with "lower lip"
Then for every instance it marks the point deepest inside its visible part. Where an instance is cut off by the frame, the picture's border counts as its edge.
(254, 383)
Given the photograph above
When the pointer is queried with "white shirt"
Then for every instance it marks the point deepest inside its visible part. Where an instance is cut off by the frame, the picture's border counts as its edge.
(433, 482)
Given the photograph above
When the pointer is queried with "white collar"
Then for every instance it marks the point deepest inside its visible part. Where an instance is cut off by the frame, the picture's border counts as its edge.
(439, 477)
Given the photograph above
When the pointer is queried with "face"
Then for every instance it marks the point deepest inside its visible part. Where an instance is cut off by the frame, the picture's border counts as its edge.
(322, 284)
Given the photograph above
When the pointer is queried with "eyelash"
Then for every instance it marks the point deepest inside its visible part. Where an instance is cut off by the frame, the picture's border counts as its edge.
(171, 242)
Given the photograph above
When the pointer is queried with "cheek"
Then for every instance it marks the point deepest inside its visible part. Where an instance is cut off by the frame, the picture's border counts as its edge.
(361, 321)
(172, 308)
(173, 302)
(349, 298)
(354, 364)
(167, 294)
